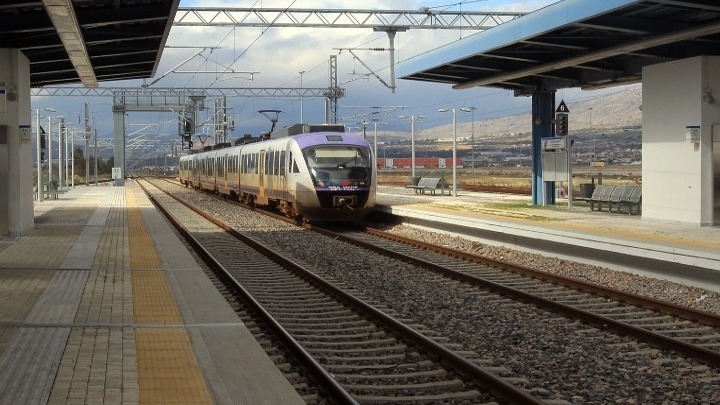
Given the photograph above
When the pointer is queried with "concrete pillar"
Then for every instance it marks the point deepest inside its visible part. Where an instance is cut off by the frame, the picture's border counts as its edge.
(16, 170)
(543, 110)
(681, 102)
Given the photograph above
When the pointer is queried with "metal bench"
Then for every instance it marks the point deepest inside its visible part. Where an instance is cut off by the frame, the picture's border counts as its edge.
(52, 190)
(431, 184)
(632, 200)
(601, 196)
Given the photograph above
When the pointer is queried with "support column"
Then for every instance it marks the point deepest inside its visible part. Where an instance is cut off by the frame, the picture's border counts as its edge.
(16, 164)
(680, 109)
(119, 144)
(543, 108)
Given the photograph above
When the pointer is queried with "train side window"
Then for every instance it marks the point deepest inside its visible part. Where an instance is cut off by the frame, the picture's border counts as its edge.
(276, 163)
(282, 163)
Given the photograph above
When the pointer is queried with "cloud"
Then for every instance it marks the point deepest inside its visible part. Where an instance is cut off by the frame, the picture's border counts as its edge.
(279, 54)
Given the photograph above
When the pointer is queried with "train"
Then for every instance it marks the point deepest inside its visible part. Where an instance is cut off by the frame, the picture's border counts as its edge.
(313, 173)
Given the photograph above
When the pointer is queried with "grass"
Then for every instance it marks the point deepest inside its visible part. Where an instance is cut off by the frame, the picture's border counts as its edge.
(511, 179)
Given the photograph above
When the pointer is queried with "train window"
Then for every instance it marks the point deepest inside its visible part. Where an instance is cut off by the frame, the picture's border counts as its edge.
(276, 163)
(282, 163)
(338, 157)
(269, 162)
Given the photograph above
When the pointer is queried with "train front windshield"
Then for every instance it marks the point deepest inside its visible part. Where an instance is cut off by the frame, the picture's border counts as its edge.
(339, 167)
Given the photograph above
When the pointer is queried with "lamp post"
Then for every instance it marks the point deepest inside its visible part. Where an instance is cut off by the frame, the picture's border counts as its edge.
(471, 110)
(72, 158)
(412, 141)
(50, 160)
(454, 149)
(67, 172)
(61, 129)
(39, 132)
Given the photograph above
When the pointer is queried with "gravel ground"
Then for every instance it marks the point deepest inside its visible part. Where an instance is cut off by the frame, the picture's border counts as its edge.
(557, 359)
(664, 290)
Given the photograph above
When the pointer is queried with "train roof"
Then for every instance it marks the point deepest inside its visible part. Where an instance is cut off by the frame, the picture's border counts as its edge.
(329, 138)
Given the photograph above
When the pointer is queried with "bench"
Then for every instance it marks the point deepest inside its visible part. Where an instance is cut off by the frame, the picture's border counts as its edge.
(601, 195)
(630, 197)
(52, 190)
(431, 184)
(617, 198)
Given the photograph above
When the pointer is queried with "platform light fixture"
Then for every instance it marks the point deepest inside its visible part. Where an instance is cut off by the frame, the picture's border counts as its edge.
(63, 17)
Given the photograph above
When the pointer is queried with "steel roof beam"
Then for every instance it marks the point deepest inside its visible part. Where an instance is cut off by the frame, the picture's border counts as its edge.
(340, 18)
(633, 46)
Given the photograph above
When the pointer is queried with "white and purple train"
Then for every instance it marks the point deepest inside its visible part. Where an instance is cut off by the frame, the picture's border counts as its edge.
(323, 175)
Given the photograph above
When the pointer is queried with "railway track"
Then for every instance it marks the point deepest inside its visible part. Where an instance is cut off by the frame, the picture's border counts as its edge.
(357, 352)
(693, 333)
(493, 291)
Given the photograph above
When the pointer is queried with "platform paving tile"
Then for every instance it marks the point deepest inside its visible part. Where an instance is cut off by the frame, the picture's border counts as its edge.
(95, 318)
(29, 364)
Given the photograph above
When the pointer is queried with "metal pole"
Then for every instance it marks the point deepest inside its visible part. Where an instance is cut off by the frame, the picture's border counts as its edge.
(569, 170)
(87, 140)
(472, 137)
(67, 172)
(39, 163)
(412, 146)
(72, 157)
(49, 148)
(454, 154)
(301, 98)
(96, 158)
(60, 154)
(375, 147)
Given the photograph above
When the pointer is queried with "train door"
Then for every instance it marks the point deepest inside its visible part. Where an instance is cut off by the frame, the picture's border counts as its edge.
(261, 177)
(282, 173)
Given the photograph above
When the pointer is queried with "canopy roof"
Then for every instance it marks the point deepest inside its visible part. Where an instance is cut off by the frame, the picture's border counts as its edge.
(123, 39)
(574, 43)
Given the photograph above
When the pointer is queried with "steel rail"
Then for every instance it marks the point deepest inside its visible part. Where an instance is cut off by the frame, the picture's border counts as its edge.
(447, 357)
(705, 318)
(702, 354)
(326, 379)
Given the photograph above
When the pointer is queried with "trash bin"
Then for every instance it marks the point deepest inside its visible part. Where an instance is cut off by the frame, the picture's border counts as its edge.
(586, 190)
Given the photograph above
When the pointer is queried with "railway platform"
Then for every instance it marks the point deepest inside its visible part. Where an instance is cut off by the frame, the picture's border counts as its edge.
(102, 303)
(675, 251)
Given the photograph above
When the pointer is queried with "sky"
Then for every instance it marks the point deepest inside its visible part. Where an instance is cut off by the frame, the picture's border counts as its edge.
(278, 55)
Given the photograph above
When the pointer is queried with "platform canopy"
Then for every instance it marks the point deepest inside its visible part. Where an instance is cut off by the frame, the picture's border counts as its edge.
(119, 39)
(574, 43)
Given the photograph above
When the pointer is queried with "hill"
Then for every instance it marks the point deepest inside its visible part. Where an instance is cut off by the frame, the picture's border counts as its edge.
(608, 113)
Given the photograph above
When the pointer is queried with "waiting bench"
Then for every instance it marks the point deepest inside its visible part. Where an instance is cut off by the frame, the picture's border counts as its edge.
(617, 197)
(52, 190)
(430, 184)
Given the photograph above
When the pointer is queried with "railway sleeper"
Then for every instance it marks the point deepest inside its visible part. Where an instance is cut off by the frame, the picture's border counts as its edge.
(433, 385)
(416, 366)
(367, 350)
(386, 342)
(415, 399)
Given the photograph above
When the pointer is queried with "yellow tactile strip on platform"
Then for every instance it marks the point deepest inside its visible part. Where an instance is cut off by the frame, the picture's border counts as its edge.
(168, 371)
(167, 368)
